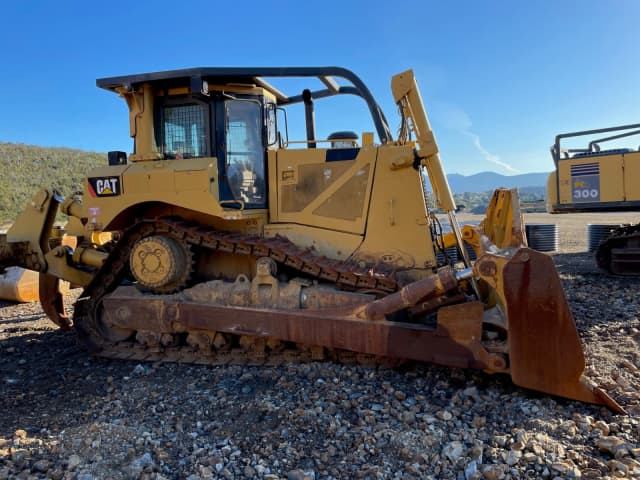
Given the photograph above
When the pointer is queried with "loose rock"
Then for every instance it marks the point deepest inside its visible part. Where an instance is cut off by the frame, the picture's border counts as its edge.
(84, 418)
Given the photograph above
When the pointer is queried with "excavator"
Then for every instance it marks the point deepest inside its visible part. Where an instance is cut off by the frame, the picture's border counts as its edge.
(590, 179)
(221, 240)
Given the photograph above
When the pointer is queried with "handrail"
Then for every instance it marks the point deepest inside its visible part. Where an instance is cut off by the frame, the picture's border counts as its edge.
(556, 150)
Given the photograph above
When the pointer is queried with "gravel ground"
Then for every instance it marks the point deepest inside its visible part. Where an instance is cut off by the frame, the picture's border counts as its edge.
(66, 415)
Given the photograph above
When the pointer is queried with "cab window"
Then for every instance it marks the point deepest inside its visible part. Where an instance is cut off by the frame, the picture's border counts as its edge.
(184, 131)
(245, 151)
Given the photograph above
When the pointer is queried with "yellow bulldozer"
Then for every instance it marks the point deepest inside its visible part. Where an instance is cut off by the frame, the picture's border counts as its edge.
(592, 179)
(221, 239)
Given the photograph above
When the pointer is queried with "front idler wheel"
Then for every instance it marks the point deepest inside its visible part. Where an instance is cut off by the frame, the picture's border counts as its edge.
(161, 263)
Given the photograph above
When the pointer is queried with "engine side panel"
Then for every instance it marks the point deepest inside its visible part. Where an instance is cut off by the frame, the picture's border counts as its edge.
(327, 188)
(397, 227)
(189, 184)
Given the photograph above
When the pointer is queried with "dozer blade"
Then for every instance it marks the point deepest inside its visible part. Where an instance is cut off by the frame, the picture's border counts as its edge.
(19, 285)
(12, 253)
(360, 328)
(545, 353)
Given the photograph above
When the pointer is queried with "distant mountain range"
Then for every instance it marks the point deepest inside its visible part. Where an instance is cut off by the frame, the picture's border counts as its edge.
(484, 181)
(26, 168)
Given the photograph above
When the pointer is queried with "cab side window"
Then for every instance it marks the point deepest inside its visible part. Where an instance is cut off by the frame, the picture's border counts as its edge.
(184, 131)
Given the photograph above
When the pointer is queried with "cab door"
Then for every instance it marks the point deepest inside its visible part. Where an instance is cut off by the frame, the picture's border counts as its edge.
(242, 154)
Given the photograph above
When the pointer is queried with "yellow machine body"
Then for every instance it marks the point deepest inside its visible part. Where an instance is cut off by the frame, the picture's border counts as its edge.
(591, 179)
(594, 180)
(219, 233)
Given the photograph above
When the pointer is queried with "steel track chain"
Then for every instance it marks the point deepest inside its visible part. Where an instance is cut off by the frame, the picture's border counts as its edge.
(114, 270)
(285, 252)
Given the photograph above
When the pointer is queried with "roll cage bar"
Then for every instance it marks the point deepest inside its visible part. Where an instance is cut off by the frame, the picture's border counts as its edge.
(227, 75)
(593, 147)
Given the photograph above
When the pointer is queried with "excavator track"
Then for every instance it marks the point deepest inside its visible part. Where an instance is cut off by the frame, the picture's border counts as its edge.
(619, 254)
(237, 349)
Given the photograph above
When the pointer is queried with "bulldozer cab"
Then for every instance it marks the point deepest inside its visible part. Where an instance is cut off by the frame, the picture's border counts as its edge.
(231, 115)
(229, 127)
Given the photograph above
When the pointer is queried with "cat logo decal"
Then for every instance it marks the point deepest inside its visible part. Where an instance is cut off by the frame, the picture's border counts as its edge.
(104, 186)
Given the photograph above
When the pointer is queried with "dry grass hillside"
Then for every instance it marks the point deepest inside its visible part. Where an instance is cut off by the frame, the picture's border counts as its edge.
(26, 168)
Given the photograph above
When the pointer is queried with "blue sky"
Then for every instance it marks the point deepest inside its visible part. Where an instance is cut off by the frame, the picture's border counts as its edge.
(499, 78)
